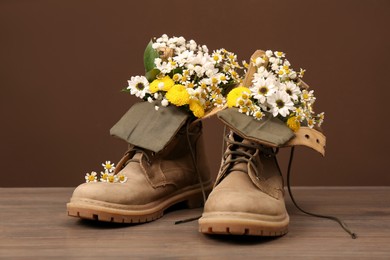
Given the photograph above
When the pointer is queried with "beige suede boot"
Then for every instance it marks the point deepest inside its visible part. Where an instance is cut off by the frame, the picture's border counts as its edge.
(248, 194)
(170, 170)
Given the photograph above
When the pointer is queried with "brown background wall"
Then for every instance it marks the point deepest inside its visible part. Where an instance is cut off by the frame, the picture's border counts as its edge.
(63, 64)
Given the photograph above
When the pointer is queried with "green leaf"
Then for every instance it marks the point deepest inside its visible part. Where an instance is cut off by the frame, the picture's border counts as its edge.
(149, 55)
(151, 74)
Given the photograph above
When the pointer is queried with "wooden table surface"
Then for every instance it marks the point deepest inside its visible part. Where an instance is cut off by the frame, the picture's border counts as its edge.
(34, 225)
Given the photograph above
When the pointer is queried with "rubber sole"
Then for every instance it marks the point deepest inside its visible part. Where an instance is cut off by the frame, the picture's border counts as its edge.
(232, 223)
(118, 213)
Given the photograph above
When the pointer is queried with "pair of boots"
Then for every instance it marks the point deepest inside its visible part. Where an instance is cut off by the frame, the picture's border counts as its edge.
(166, 164)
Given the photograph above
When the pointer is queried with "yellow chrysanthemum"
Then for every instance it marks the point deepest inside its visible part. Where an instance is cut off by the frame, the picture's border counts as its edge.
(235, 94)
(164, 84)
(196, 108)
(293, 123)
(178, 95)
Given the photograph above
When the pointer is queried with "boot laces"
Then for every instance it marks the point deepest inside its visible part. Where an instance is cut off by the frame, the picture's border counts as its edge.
(246, 156)
(245, 153)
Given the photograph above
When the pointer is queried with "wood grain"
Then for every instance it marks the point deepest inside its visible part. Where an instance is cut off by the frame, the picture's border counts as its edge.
(34, 225)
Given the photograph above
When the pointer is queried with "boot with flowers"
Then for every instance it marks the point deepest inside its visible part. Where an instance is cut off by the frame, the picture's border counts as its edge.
(165, 163)
(273, 108)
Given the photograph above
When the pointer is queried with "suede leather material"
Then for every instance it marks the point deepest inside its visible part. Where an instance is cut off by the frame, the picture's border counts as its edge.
(238, 189)
(269, 131)
(146, 127)
(167, 173)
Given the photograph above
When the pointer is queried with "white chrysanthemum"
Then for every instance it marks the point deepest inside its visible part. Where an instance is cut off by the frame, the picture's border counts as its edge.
(263, 88)
(269, 53)
(184, 57)
(91, 177)
(138, 86)
(280, 103)
(108, 166)
(292, 89)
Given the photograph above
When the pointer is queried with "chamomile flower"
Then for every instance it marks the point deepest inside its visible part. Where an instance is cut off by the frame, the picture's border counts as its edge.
(111, 178)
(108, 166)
(138, 86)
(121, 178)
(280, 103)
(279, 54)
(308, 96)
(257, 114)
(91, 177)
(235, 94)
(104, 176)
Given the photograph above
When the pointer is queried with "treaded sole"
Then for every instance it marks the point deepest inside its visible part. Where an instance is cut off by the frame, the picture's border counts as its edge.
(83, 210)
(235, 226)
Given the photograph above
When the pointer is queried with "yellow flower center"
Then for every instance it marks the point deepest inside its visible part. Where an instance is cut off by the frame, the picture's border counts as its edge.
(176, 77)
(216, 58)
(244, 109)
(263, 90)
(214, 80)
(258, 114)
(91, 178)
(111, 178)
(108, 166)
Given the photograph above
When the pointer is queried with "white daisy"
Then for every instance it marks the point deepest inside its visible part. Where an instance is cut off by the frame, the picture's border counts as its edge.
(280, 103)
(138, 86)
(292, 89)
(108, 166)
(91, 177)
(263, 88)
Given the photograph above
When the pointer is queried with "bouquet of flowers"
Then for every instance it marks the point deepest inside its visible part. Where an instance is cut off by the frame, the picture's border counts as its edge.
(277, 89)
(184, 74)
